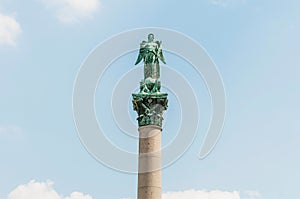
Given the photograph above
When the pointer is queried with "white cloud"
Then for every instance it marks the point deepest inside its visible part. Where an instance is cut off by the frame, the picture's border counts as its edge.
(71, 11)
(216, 194)
(251, 195)
(10, 30)
(9, 130)
(201, 194)
(226, 3)
(41, 190)
(45, 190)
(78, 195)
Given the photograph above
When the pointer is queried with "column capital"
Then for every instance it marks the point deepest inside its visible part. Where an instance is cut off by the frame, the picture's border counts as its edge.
(150, 108)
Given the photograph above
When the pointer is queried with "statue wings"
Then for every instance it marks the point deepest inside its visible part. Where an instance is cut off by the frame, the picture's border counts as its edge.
(159, 53)
(141, 53)
(142, 49)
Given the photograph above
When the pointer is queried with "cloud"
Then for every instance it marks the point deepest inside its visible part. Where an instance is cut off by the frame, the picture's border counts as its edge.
(201, 194)
(10, 30)
(216, 194)
(72, 11)
(10, 130)
(251, 195)
(44, 190)
(225, 3)
(78, 195)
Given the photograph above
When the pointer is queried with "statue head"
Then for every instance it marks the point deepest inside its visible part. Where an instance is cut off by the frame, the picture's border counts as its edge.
(150, 37)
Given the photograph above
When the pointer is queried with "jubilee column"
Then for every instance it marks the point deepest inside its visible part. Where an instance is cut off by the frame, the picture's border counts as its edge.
(150, 103)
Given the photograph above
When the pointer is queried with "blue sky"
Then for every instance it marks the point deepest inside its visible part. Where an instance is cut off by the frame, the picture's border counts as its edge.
(255, 45)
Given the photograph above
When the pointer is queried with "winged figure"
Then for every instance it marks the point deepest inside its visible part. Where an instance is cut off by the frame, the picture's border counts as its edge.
(150, 51)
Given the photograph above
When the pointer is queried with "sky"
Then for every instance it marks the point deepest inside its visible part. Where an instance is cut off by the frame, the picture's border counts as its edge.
(255, 46)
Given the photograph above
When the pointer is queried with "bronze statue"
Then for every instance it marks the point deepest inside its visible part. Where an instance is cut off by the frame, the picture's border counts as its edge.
(150, 53)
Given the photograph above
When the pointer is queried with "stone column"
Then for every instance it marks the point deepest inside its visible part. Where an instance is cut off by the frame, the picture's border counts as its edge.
(149, 177)
(150, 109)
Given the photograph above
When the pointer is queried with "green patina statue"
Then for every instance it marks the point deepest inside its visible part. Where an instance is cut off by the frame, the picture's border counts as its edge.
(150, 52)
(150, 102)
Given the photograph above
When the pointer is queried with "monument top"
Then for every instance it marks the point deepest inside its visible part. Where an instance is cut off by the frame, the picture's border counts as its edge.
(150, 102)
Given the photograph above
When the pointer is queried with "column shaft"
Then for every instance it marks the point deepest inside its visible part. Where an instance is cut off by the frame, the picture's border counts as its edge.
(149, 177)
